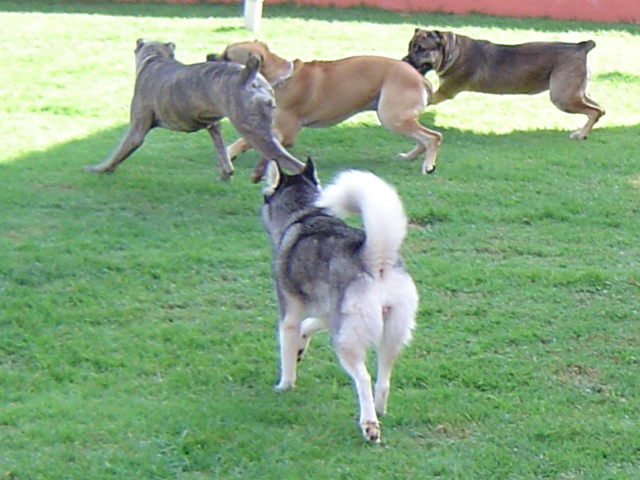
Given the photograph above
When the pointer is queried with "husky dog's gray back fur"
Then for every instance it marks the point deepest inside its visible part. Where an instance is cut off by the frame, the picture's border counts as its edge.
(348, 280)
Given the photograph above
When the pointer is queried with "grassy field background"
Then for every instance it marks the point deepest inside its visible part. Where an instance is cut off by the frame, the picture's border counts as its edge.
(137, 315)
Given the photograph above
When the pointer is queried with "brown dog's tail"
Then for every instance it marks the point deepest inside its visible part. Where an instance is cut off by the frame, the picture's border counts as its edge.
(588, 45)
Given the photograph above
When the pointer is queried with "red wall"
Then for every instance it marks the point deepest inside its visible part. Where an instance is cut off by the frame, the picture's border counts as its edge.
(595, 10)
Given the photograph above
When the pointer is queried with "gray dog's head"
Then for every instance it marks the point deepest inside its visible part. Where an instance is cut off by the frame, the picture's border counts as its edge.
(147, 50)
(256, 100)
(426, 50)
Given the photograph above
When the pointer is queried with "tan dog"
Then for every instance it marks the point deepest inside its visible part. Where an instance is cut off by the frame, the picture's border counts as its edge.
(466, 64)
(324, 93)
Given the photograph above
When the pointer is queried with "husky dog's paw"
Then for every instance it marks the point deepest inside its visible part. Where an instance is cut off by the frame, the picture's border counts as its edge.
(371, 431)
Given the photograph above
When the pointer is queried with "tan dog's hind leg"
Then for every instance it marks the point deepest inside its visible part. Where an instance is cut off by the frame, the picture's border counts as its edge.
(286, 126)
(398, 111)
(427, 141)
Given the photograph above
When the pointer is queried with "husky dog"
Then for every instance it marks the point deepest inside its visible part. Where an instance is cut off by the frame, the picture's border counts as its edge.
(350, 281)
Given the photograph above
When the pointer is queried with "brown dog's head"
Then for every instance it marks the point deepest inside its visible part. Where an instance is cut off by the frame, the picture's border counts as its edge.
(430, 50)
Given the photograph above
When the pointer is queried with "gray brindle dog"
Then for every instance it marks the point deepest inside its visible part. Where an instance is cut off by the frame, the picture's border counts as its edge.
(466, 64)
(188, 98)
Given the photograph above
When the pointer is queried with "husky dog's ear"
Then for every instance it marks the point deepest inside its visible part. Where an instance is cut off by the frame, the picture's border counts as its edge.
(139, 45)
(309, 171)
(272, 178)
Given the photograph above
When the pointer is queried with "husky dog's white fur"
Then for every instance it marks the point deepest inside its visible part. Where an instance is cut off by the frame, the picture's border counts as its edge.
(351, 282)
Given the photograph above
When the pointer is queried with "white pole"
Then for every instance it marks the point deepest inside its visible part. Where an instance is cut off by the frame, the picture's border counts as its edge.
(252, 15)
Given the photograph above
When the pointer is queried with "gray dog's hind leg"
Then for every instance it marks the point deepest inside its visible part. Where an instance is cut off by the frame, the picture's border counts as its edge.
(271, 150)
(129, 144)
(223, 158)
(259, 169)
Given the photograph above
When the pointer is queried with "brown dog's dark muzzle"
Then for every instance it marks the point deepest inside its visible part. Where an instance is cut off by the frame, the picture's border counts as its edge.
(423, 69)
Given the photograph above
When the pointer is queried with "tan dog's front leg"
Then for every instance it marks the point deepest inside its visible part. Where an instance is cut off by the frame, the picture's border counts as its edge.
(238, 147)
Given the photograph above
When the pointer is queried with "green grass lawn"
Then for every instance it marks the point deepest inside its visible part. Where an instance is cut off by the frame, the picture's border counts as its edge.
(137, 314)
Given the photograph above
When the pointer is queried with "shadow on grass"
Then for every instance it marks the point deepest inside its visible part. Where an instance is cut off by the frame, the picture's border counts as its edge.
(171, 158)
(329, 14)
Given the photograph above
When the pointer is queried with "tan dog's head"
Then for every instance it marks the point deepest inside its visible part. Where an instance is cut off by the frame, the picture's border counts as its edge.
(430, 50)
(148, 50)
(273, 67)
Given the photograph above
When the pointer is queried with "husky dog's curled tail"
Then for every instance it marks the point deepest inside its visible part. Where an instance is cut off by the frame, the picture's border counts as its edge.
(383, 216)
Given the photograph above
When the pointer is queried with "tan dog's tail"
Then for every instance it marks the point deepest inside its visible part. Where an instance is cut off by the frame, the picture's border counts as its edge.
(429, 89)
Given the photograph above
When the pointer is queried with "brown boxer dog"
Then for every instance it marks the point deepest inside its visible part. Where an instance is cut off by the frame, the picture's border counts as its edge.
(466, 64)
(188, 98)
(324, 93)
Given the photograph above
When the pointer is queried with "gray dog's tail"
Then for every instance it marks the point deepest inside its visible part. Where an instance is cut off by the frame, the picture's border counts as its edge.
(385, 222)
(250, 70)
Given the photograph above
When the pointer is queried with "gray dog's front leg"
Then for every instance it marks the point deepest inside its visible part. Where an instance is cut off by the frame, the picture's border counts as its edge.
(129, 144)
(223, 158)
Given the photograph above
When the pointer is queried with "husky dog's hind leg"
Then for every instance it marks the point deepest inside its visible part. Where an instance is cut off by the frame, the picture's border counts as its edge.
(358, 325)
(310, 326)
(398, 318)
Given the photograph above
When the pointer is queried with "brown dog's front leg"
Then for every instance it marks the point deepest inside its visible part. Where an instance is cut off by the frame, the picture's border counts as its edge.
(223, 158)
(129, 144)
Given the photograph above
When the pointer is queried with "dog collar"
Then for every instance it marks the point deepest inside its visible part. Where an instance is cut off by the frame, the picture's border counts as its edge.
(447, 61)
(281, 81)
